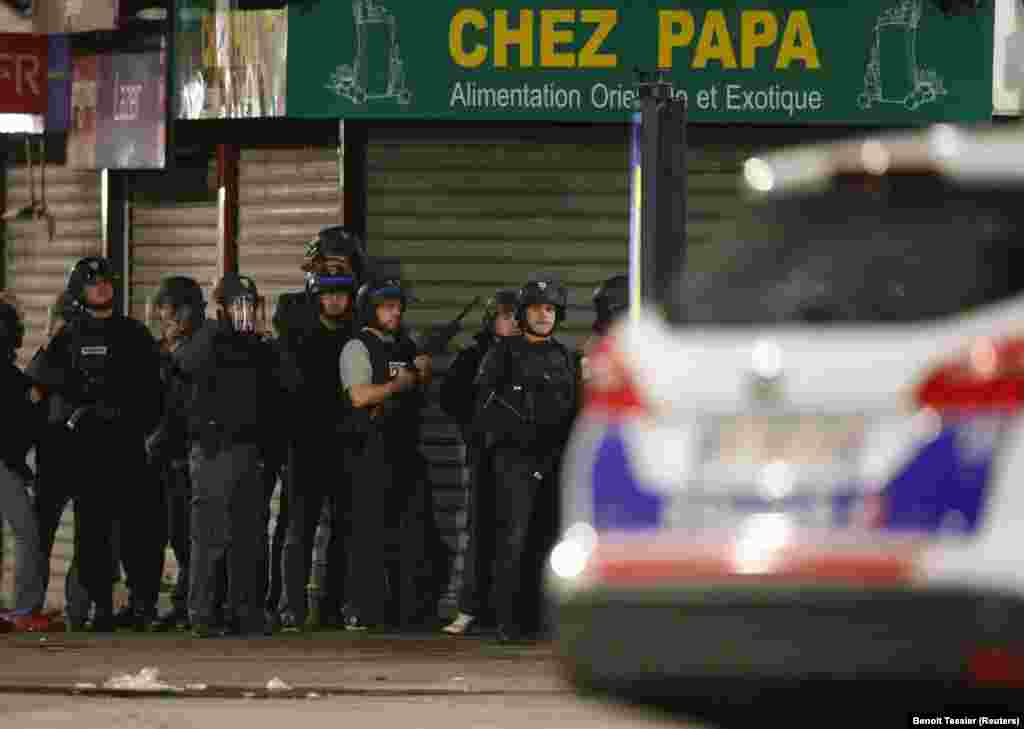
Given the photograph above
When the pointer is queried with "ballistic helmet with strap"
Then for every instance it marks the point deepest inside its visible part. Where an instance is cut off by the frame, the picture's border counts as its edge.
(333, 246)
(542, 288)
(239, 297)
(184, 296)
(502, 297)
(88, 271)
(611, 299)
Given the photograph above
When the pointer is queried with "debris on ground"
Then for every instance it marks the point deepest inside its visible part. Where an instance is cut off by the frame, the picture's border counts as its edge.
(148, 679)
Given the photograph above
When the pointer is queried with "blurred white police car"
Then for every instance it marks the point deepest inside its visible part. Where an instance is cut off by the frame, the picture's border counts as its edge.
(817, 470)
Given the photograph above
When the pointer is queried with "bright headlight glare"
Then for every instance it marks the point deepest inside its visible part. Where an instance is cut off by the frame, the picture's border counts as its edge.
(570, 556)
(759, 174)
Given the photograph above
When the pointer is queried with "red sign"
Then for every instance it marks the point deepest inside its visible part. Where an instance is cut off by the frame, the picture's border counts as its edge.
(23, 73)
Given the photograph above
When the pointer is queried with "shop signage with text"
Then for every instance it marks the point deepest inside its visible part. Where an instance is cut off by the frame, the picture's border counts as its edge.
(23, 71)
(871, 62)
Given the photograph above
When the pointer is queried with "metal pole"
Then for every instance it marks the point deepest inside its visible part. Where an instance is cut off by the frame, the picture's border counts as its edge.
(663, 192)
(635, 215)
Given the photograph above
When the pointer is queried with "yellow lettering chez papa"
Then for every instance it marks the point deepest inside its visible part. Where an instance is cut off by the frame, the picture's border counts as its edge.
(575, 38)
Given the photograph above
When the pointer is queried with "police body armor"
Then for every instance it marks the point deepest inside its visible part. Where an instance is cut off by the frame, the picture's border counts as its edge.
(234, 398)
(296, 316)
(534, 399)
(92, 360)
(398, 418)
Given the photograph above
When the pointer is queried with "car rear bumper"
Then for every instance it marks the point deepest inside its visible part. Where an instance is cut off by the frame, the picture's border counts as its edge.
(643, 639)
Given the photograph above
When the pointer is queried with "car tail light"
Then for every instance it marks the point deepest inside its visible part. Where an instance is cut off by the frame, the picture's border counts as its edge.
(996, 666)
(989, 376)
(610, 389)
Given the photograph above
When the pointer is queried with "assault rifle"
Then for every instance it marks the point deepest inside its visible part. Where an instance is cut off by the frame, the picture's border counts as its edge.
(437, 343)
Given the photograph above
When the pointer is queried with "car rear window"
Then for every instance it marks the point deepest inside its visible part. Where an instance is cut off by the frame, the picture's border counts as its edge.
(893, 249)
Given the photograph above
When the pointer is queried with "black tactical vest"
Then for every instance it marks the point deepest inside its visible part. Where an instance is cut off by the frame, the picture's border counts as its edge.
(539, 382)
(92, 359)
(400, 417)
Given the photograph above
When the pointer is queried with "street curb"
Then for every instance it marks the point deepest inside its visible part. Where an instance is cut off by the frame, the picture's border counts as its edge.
(299, 692)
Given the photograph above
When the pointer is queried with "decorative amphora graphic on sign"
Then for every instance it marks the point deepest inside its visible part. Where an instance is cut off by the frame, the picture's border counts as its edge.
(892, 75)
(377, 72)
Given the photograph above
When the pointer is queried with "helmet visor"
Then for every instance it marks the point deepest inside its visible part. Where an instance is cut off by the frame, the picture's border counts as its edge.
(243, 314)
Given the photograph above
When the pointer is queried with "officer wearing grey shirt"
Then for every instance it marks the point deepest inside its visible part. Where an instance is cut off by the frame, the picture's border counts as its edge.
(382, 377)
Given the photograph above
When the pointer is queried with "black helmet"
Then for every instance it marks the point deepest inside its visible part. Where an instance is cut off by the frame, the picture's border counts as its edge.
(233, 286)
(376, 290)
(336, 242)
(543, 288)
(87, 272)
(240, 299)
(611, 299)
(12, 328)
(184, 295)
(502, 297)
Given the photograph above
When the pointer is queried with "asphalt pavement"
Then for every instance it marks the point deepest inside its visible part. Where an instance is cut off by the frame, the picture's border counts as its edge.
(308, 680)
(335, 712)
(321, 662)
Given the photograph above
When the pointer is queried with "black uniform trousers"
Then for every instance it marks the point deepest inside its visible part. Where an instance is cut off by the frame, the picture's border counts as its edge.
(275, 468)
(320, 476)
(177, 498)
(54, 490)
(379, 499)
(478, 557)
(526, 523)
(123, 489)
(228, 527)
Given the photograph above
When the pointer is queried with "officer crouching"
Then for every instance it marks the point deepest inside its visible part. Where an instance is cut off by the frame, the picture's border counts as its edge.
(383, 378)
(527, 398)
(240, 389)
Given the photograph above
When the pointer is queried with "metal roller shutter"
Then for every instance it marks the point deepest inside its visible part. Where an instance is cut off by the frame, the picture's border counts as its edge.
(36, 267)
(35, 271)
(286, 196)
(171, 240)
(466, 218)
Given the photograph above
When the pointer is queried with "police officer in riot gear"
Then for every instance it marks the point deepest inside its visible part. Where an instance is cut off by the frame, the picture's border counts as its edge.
(23, 419)
(383, 380)
(611, 301)
(55, 477)
(527, 398)
(102, 373)
(240, 388)
(458, 399)
(334, 251)
(321, 462)
(179, 308)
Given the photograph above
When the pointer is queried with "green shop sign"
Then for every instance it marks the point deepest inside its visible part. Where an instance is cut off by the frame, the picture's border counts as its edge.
(866, 62)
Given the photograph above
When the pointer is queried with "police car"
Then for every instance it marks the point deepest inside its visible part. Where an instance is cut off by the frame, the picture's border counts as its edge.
(812, 465)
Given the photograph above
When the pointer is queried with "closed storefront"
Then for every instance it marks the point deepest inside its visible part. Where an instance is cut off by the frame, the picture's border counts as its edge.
(468, 216)
(35, 269)
(171, 240)
(286, 195)
(36, 264)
